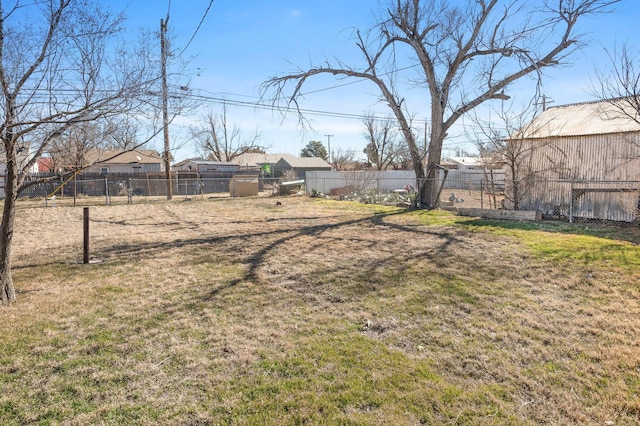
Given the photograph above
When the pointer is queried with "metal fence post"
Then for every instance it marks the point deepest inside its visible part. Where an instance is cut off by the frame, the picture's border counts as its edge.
(85, 220)
(571, 202)
(106, 190)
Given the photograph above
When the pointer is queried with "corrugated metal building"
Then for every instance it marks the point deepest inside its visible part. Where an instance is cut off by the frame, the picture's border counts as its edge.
(584, 162)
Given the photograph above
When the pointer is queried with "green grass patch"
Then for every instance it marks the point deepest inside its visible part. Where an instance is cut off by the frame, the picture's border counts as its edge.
(322, 313)
(344, 378)
(567, 245)
(554, 241)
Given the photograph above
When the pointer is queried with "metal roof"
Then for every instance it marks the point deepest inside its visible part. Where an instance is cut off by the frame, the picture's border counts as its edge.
(582, 119)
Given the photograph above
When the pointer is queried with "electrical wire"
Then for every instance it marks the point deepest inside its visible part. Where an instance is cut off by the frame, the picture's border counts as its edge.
(222, 99)
(193, 36)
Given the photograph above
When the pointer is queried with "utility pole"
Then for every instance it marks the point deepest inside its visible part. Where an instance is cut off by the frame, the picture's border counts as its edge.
(329, 146)
(165, 106)
(545, 101)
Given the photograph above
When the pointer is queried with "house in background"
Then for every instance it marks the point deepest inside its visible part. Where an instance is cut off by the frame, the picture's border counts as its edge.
(46, 165)
(119, 161)
(583, 160)
(254, 160)
(278, 164)
(300, 166)
(199, 165)
(462, 163)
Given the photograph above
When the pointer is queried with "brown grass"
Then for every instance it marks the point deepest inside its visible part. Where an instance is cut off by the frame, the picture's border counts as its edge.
(244, 312)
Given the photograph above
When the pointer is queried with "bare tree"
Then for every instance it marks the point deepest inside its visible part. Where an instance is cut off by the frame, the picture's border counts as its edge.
(463, 56)
(60, 65)
(383, 147)
(620, 85)
(122, 133)
(221, 141)
(505, 139)
(359, 180)
(69, 150)
(403, 159)
(501, 141)
(343, 159)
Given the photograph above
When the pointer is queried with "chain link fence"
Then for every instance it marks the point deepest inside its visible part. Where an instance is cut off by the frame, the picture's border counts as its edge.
(565, 200)
(579, 200)
(82, 190)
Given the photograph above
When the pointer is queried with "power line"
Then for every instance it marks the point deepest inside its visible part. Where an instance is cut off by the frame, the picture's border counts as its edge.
(315, 112)
(263, 106)
(178, 92)
(193, 36)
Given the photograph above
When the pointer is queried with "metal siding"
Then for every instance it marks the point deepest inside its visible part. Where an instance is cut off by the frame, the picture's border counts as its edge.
(611, 159)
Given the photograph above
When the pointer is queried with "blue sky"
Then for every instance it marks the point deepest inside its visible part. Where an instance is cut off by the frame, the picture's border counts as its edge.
(243, 43)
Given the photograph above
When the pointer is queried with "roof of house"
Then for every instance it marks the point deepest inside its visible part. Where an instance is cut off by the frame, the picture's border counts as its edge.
(118, 156)
(253, 160)
(587, 118)
(202, 162)
(187, 161)
(464, 161)
(307, 163)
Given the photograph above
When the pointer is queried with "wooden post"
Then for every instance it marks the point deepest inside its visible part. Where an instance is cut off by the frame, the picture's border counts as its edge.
(85, 217)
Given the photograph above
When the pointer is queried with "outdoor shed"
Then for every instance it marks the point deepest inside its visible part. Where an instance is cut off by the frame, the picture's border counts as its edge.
(583, 161)
(244, 186)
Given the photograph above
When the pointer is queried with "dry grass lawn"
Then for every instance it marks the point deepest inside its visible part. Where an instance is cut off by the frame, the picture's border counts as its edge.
(317, 312)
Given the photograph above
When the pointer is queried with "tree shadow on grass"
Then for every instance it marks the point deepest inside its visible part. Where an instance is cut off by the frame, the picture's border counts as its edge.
(374, 223)
(360, 231)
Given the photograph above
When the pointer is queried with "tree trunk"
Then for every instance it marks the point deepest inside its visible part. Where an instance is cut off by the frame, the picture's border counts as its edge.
(430, 188)
(7, 291)
(516, 190)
